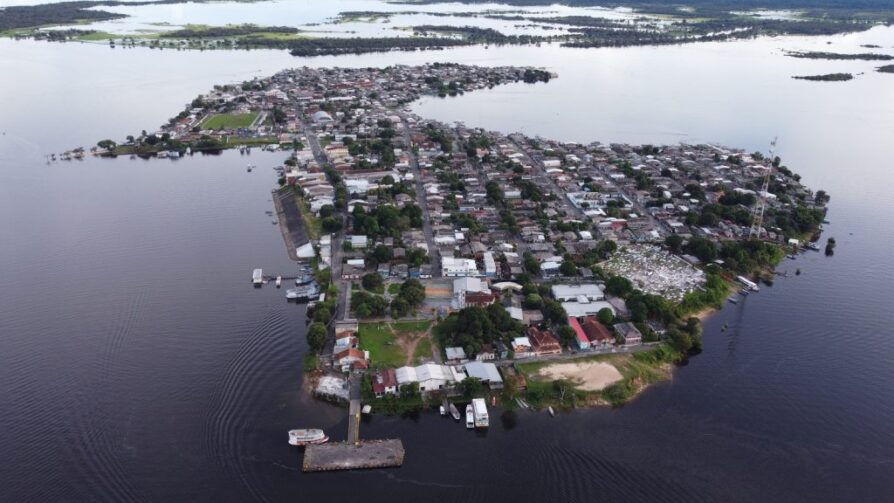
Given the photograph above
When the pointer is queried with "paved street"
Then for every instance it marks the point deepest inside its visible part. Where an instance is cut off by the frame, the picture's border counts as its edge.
(421, 199)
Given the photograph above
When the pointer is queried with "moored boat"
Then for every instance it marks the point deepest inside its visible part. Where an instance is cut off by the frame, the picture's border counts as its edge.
(307, 437)
(470, 417)
(454, 411)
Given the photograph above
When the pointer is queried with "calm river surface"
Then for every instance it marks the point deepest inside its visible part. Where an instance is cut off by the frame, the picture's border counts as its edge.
(137, 363)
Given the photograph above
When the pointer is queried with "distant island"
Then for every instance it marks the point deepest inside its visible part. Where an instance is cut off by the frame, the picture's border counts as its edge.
(865, 56)
(829, 77)
(885, 69)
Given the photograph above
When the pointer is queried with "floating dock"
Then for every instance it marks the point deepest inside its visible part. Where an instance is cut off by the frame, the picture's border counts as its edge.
(353, 456)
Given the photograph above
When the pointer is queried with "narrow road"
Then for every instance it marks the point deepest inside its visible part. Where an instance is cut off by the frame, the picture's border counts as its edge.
(421, 199)
(337, 238)
(580, 354)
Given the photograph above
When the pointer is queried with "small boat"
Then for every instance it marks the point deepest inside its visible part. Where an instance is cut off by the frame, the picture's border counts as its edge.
(307, 437)
(454, 411)
(292, 293)
(257, 277)
(278, 281)
(304, 279)
(733, 300)
(366, 409)
(442, 410)
(249, 168)
(470, 417)
(551, 411)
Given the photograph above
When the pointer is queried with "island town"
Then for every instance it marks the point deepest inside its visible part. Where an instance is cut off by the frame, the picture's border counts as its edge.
(444, 265)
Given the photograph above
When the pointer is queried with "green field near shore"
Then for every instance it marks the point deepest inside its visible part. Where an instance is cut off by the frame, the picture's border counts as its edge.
(379, 340)
(229, 121)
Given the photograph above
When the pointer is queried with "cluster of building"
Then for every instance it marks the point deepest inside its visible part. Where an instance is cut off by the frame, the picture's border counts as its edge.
(433, 377)
(481, 215)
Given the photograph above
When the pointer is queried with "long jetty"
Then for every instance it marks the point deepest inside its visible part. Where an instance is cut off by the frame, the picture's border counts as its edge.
(353, 454)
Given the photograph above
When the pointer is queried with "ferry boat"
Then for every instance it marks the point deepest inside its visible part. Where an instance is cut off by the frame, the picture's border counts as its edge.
(454, 411)
(303, 292)
(470, 417)
(479, 409)
(307, 437)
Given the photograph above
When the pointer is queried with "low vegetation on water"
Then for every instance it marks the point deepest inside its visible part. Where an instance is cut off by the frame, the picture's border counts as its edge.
(828, 77)
(864, 56)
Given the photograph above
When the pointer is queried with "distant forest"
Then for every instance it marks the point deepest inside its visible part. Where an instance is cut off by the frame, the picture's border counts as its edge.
(704, 5)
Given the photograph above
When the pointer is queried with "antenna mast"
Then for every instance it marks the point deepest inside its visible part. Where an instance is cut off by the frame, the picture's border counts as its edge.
(757, 214)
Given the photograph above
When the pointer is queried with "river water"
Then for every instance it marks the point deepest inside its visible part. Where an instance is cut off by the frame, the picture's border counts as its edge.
(137, 363)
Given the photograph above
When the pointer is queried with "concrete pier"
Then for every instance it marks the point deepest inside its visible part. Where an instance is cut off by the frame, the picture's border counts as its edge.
(353, 456)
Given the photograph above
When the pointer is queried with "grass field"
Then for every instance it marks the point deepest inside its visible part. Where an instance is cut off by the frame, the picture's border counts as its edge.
(229, 121)
(402, 327)
(379, 340)
(423, 349)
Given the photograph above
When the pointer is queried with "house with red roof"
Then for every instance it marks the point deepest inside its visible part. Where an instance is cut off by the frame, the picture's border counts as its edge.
(598, 334)
(543, 342)
(384, 382)
(580, 337)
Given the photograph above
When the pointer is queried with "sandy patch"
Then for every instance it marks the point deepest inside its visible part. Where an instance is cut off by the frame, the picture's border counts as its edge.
(587, 376)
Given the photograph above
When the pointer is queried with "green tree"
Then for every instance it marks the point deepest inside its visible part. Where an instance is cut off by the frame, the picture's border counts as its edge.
(316, 336)
(470, 387)
(605, 316)
(372, 281)
(567, 335)
(412, 291)
(674, 242)
(619, 286)
(568, 268)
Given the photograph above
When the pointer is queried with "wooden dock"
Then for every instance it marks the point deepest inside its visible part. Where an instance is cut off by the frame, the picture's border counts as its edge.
(354, 456)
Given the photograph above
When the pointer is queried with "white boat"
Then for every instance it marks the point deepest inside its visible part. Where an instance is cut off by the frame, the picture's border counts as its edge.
(453, 411)
(257, 276)
(366, 409)
(307, 437)
(278, 281)
(479, 408)
(551, 411)
(292, 293)
(470, 417)
(442, 410)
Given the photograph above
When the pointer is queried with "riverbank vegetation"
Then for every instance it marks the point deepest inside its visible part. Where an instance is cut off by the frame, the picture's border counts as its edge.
(885, 69)
(637, 370)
